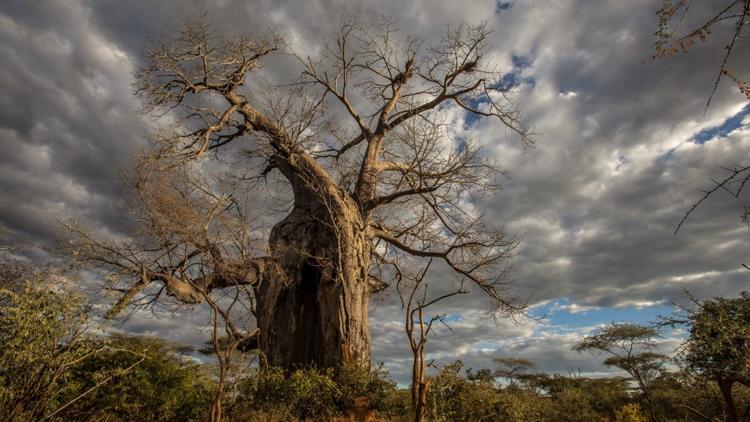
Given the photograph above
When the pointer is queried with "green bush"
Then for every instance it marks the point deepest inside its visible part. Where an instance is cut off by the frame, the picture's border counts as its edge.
(41, 340)
(51, 367)
(538, 397)
(312, 393)
(164, 386)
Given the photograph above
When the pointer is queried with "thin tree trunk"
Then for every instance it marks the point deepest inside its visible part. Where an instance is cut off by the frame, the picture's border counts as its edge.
(216, 408)
(418, 384)
(646, 389)
(216, 415)
(725, 386)
(416, 378)
(420, 414)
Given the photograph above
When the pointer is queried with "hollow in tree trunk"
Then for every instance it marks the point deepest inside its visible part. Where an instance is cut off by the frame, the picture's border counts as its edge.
(312, 310)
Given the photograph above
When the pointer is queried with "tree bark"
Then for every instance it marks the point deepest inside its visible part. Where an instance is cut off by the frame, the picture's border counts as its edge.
(313, 308)
(420, 413)
(216, 414)
(725, 385)
(419, 387)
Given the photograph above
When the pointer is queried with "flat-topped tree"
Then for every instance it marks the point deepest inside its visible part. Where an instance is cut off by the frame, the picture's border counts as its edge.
(362, 140)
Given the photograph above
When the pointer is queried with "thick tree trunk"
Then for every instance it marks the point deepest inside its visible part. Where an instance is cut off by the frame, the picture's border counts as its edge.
(312, 311)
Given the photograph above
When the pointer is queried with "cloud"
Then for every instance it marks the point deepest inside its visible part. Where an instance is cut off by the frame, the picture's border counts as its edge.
(596, 202)
(68, 119)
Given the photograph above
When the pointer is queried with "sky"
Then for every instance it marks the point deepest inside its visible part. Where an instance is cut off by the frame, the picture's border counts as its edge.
(624, 146)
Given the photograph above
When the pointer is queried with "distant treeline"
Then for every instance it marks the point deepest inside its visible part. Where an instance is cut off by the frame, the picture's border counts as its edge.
(54, 366)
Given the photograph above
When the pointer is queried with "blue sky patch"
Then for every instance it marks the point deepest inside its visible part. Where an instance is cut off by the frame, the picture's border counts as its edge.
(730, 125)
(453, 318)
(502, 6)
(507, 82)
(566, 313)
(520, 62)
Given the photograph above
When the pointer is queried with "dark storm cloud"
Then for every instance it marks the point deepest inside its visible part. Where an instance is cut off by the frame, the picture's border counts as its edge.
(71, 119)
(596, 201)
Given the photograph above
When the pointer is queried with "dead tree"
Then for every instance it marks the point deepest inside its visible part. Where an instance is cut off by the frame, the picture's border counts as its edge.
(415, 308)
(362, 143)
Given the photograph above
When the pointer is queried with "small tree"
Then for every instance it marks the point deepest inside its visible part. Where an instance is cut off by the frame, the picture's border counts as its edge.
(418, 329)
(230, 347)
(719, 344)
(510, 368)
(228, 344)
(629, 348)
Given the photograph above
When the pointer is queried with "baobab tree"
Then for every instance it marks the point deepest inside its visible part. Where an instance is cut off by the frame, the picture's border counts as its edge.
(362, 143)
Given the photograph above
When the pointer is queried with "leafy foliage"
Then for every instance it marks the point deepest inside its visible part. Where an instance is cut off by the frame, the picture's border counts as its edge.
(52, 367)
(166, 386)
(41, 340)
(719, 342)
(631, 412)
(313, 393)
(628, 348)
(537, 397)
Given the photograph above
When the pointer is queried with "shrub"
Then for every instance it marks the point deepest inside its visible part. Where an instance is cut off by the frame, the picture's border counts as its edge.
(41, 340)
(313, 393)
(630, 413)
(164, 386)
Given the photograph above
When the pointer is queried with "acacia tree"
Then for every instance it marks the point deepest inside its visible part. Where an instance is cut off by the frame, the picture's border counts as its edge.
(362, 143)
(629, 348)
(512, 369)
(718, 347)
